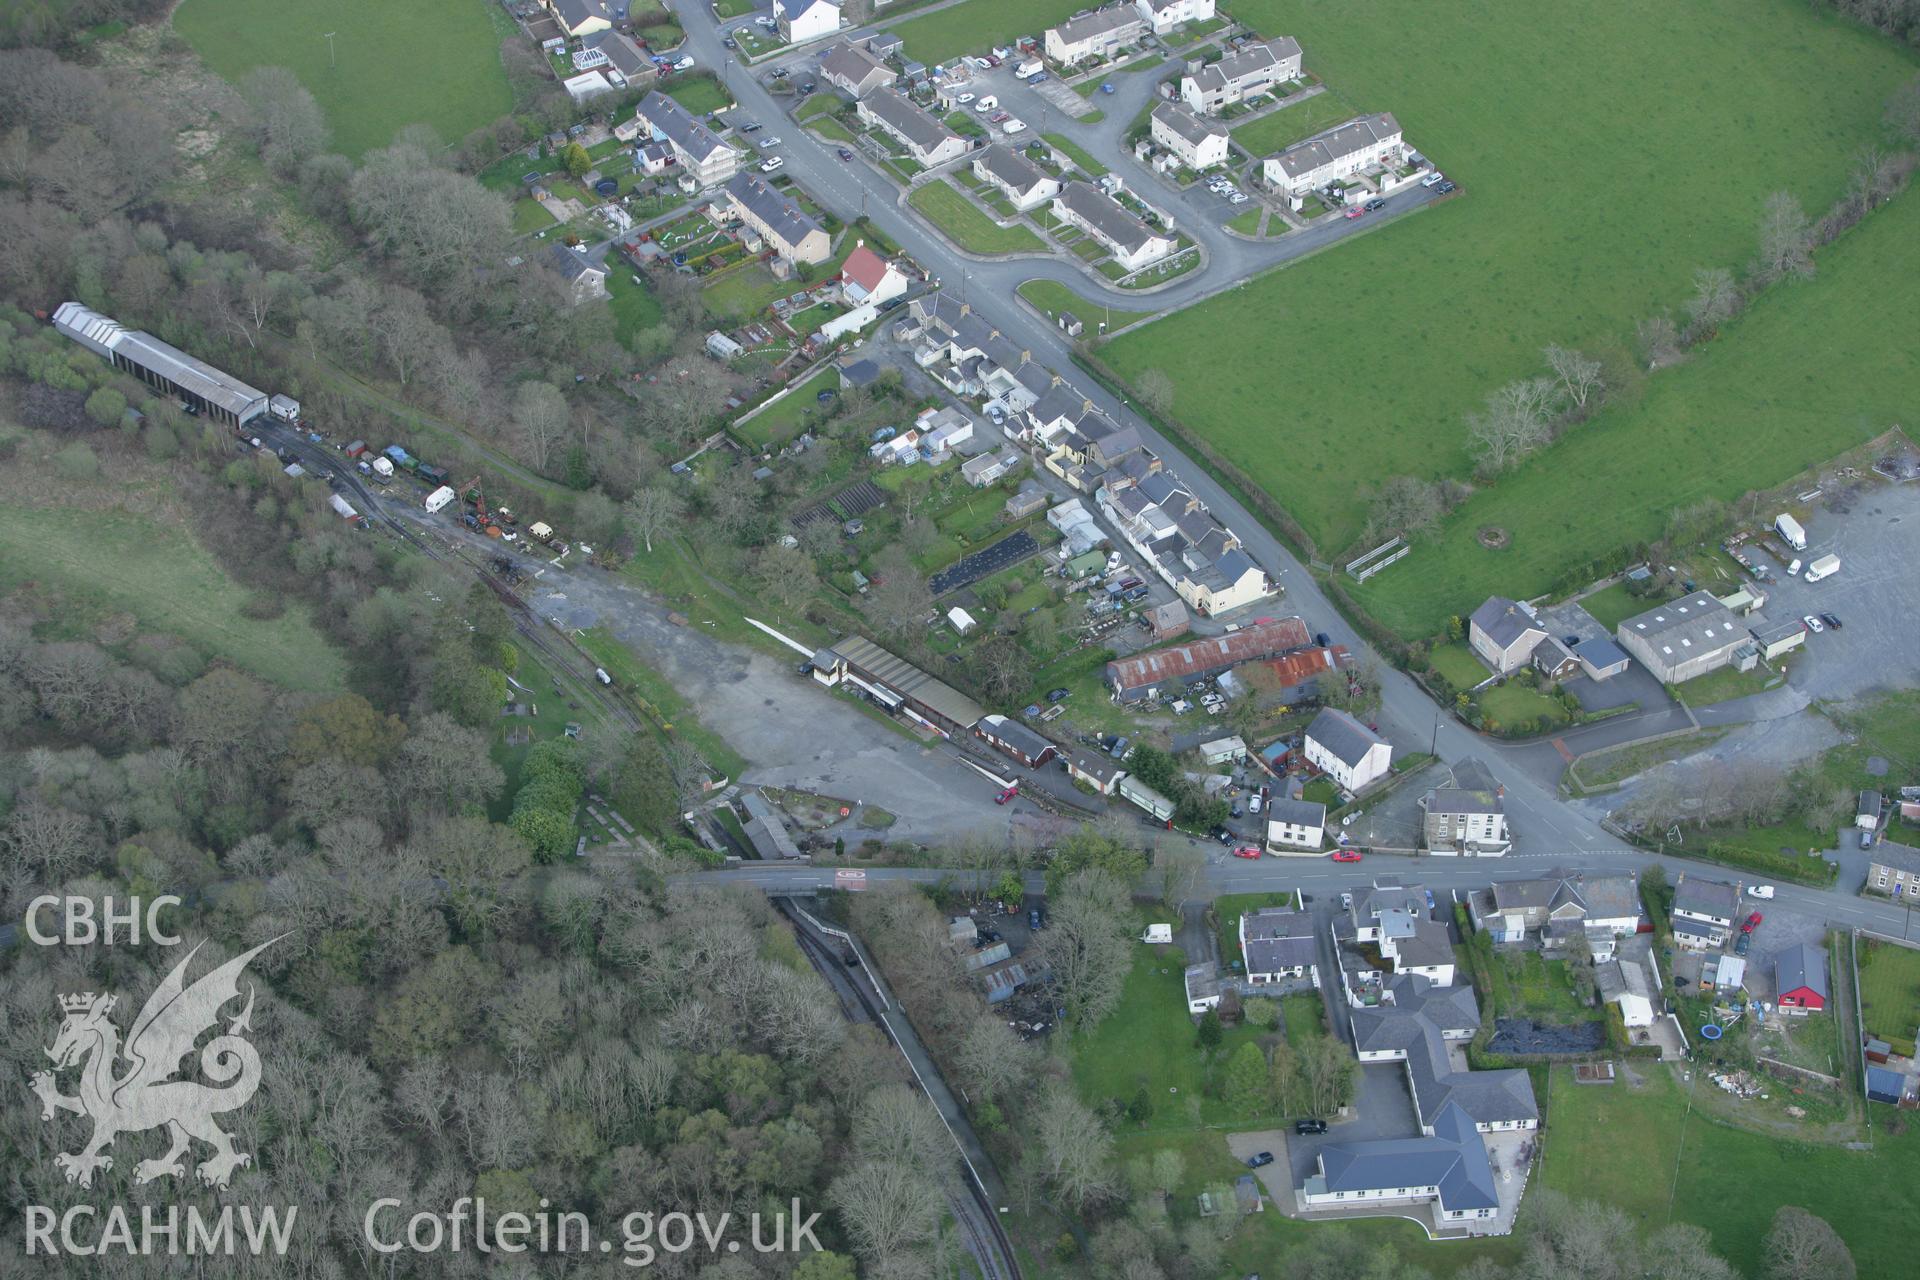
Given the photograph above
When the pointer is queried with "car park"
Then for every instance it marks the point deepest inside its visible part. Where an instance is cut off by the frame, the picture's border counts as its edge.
(1305, 1127)
(772, 164)
(1246, 851)
(1260, 1160)
(1346, 855)
(1814, 624)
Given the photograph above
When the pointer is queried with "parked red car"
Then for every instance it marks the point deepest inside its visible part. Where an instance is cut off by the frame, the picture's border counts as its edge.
(1354, 211)
(1346, 855)
(1246, 851)
(1006, 795)
(1753, 922)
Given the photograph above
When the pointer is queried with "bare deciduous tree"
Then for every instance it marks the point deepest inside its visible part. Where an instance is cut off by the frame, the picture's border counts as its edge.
(541, 418)
(1786, 240)
(1408, 504)
(1074, 1146)
(1156, 391)
(287, 122)
(1659, 340)
(1715, 298)
(1086, 944)
(888, 1208)
(1516, 421)
(1802, 1246)
(1579, 376)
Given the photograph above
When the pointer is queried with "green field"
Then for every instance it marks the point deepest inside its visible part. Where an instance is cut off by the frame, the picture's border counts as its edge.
(967, 225)
(1283, 128)
(1558, 123)
(634, 306)
(1639, 1149)
(978, 25)
(1813, 369)
(114, 560)
(1890, 992)
(434, 62)
(1053, 297)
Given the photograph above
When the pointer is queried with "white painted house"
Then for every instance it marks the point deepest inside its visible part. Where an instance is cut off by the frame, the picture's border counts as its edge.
(1094, 35)
(1256, 69)
(1346, 750)
(1295, 826)
(804, 20)
(1131, 241)
(1345, 152)
(1025, 184)
(1199, 143)
(1163, 16)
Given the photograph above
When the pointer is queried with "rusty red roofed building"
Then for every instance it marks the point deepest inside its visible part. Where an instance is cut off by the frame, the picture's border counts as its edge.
(868, 277)
(1167, 671)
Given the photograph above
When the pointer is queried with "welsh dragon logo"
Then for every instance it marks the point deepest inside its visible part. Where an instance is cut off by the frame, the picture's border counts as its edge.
(146, 1096)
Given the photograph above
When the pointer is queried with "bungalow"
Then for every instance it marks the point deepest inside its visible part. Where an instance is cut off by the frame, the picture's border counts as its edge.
(1344, 152)
(1346, 750)
(929, 142)
(1703, 912)
(867, 277)
(1504, 633)
(1254, 70)
(1095, 768)
(1014, 739)
(1800, 979)
(1100, 34)
(1025, 184)
(1624, 983)
(1199, 143)
(585, 279)
(781, 223)
(1279, 943)
(1132, 242)
(626, 62)
(581, 17)
(802, 20)
(989, 467)
(854, 69)
(1163, 16)
(1558, 906)
(696, 148)
(1294, 825)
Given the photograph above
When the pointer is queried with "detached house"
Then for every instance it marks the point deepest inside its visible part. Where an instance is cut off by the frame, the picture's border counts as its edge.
(1703, 912)
(1279, 944)
(1504, 634)
(1163, 16)
(626, 62)
(802, 20)
(1025, 184)
(1100, 34)
(583, 17)
(780, 223)
(1346, 750)
(1345, 152)
(1894, 870)
(1199, 143)
(1132, 242)
(1558, 906)
(1800, 979)
(584, 279)
(696, 149)
(867, 277)
(1295, 825)
(855, 69)
(929, 142)
(1238, 76)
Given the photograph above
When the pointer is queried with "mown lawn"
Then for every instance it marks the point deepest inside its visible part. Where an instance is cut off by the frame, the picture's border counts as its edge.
(1813, 369)
(785, 420)
(1080, 156)
(1515, 704)
(979, 25)
(742, 292)
(1611, 606)
(1053, 297)
(1639, 1149)
(1458, 664)
(1724, 685)
(967, 225)
(697, 93)
(118, 561)
(1537, 250)
(1890, 992)
(634, 306)
(1283, 128)
(378, 78)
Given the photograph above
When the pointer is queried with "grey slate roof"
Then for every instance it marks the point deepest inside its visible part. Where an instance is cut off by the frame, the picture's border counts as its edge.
(854, 64)
(1453, 1160)
(1106, 216)
(1106, 21)
(1012, 168)
(575, 12)
(1503, 621)
(1698, 623)
(1450, 800)
(1299, 813)
(570, 262)
(676, 125)
(628, 58)
(1427, 945)
(787, 220)
(1279, 938)
(1801, 966)
(1335, 144)
(1895, 857)
(1251, 63)
(1702, 897)
(907, 120)
(1600, 652)
(1696, 928)
(1014, 734)
(1341, 734)
(1187, 125)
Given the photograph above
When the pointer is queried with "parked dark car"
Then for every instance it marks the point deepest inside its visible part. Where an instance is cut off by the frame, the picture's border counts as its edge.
(1320, 638)
(845, 154)
(803, 668)
(1034, 919)
(1304, 1127)
(1119, 749)
(1375, 205)
(1443, 188)
(1830, 620)
(1741, 946)
(1058, 695)
(1260, 1160)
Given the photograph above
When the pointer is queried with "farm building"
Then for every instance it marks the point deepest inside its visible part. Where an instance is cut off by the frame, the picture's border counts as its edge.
(1683, 638)
(1167, 671)
(162, 366)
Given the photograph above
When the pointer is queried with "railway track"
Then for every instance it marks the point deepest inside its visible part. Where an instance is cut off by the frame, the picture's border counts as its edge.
(973, 1211)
